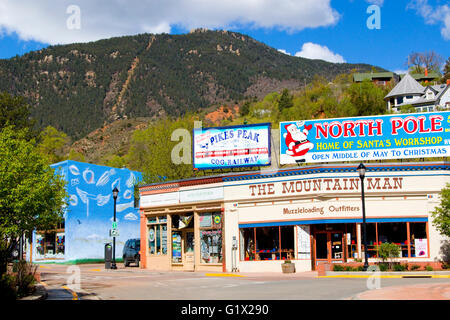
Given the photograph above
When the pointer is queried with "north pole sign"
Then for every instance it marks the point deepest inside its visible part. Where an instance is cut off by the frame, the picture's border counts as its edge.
(400, 136)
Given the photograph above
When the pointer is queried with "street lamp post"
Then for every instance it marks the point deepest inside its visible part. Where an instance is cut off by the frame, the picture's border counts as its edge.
(113, 264)
(362, 172)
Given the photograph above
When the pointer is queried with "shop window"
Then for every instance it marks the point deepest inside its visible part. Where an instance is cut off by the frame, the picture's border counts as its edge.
(287, 243)
(183, 222)
(210, 225)
(394, 233)
(418, 237)
(157, 235)
(371, 239)
(247, 243)
(50, 244)
(267, 243)
(176, 247)
(352, 245)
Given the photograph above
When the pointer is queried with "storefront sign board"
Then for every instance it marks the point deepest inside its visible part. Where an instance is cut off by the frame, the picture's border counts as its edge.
(201, 194)
(233, 146)
(159, 199)
(399, 136)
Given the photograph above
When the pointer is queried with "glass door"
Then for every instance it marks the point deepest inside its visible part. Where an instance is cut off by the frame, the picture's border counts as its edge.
(329, 246)
(321, 246)
(337, 249)
(188, 261)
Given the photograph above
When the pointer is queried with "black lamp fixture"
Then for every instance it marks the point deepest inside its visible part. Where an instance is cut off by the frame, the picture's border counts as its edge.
(115, 194)
(362, 173)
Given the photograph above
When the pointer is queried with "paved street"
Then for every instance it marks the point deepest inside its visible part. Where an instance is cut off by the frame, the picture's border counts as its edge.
(136, 284)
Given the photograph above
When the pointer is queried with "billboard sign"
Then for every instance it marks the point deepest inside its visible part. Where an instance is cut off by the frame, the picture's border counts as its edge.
(399, 136)
(234, 146)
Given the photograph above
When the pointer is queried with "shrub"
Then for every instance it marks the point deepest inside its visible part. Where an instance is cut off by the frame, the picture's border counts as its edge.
(400, 267)
(24, 277)
(383, 266)
(414, 267)
(360, 268)
(7, 287)
(387, 251)
(348, 268)
(338, 267)
(429, 268)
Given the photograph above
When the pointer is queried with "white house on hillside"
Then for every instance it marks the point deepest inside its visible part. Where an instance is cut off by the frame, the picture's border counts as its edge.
(410, 92)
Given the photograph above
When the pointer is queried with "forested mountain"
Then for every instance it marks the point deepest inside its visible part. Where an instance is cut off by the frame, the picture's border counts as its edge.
(78, 88)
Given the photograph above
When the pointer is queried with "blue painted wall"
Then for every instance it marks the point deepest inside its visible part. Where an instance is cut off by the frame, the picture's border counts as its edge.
(89, 215)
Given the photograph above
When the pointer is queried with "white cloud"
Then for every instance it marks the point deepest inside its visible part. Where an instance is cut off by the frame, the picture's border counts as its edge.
(316, 51)
(46, 20)
(284, 51)
(400, 71)
(377, 2)
(433, 15)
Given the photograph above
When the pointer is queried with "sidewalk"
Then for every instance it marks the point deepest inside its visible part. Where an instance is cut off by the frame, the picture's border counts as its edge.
(438, 291)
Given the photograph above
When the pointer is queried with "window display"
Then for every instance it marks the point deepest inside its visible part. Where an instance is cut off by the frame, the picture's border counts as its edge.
(176, 247)
(50, 245)
(396, 232)
(157, 236)
(418, 238)
(268, 243)
(210, 237)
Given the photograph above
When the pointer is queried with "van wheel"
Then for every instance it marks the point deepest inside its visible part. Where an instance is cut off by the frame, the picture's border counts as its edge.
(137, 262)
(125, 262)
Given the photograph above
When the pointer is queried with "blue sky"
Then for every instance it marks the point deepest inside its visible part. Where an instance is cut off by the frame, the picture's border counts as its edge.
(332, 30)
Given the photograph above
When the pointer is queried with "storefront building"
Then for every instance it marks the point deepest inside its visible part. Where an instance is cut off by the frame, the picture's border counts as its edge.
(252, 222)
(84, 229)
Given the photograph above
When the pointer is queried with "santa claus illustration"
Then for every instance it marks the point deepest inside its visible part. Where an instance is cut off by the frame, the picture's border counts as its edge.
(297, 141)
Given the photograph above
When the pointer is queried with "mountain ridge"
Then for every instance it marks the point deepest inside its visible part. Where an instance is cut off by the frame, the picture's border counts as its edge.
(78, 88)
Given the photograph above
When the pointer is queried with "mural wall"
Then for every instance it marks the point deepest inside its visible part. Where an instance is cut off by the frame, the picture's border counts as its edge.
(89, 215)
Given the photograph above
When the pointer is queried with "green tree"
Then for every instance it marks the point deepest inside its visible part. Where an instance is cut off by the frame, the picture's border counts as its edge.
(407, 109)
(367, 98)
(245, 109)
(388, 251)
(52, 143)
(32, 196)
(116, 161)
(446, 71)
(151, 150)
(14, 110)
(286, 100)
(441, 214)
(76, 156)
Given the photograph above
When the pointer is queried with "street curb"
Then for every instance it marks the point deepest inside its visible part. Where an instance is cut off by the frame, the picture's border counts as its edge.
(40, 293)
(223, 275)
(360, 274)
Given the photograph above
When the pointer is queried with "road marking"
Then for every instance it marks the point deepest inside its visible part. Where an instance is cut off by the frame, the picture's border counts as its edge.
(44, 267)
(223, 275)
(74, 294)
(95, 270)
(385, 277)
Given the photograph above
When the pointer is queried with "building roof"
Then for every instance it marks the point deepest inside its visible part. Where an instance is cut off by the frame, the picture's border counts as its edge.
(407, 86)
(422, 76)
(294, 171)
(359, 77)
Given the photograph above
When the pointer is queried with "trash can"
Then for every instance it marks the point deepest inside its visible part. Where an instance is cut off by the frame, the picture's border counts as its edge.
(108, 255)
